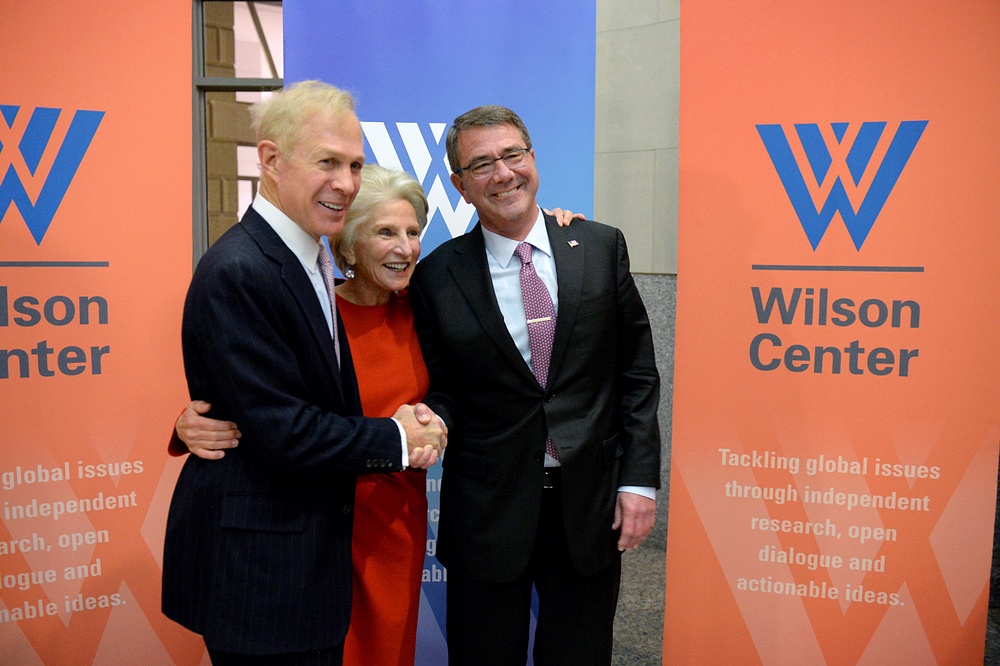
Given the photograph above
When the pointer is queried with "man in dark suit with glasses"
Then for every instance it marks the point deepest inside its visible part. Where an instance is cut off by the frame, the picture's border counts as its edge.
(541, 363)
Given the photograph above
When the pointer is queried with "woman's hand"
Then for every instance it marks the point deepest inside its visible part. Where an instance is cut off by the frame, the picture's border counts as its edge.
(564, 217)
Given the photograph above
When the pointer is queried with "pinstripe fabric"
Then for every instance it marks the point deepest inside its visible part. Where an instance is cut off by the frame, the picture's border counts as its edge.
(257, 551)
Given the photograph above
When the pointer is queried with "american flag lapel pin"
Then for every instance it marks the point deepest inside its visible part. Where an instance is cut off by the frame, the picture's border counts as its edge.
(572, 243)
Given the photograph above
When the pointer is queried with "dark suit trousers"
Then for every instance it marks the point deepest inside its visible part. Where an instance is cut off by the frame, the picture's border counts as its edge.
(488, 623)
(329, 657)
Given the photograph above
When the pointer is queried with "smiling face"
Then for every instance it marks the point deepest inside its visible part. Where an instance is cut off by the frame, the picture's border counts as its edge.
(505, 200)
(385, 252)
(315, 182)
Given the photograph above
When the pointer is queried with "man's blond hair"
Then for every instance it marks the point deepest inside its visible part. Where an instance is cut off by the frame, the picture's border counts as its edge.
(280, 117)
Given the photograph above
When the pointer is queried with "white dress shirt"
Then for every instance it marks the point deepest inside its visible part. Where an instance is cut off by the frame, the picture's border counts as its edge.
(505, 271)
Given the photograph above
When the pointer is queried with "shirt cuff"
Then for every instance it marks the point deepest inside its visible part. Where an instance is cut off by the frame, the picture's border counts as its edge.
(646, 491)
(402, 439)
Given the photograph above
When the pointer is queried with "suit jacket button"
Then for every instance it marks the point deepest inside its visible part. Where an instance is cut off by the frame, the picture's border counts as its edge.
(347, 509)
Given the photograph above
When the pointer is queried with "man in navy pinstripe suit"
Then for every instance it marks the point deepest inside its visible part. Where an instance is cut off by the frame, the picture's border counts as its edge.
(257, 556)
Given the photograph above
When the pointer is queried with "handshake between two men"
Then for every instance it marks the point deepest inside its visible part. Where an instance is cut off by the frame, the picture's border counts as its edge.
(426, 434)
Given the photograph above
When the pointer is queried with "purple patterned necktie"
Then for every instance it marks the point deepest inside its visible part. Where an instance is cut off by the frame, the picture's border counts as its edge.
(326, 269)
(541, 316)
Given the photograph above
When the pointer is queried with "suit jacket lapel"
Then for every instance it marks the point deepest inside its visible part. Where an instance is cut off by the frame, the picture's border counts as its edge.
(300, 287)
(569, 275)
(471, 273)
(347, 377)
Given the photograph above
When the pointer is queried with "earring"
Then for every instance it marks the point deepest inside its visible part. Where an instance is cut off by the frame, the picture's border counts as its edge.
(349, 272)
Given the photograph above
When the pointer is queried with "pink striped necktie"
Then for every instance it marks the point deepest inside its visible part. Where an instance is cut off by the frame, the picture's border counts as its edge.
(326, 269)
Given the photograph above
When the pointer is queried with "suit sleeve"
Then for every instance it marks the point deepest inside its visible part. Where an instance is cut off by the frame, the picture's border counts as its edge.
(639, 381)
(435, 355)
(249, 350)
(176, 447)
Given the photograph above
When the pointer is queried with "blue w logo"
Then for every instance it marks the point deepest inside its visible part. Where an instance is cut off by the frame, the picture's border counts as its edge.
(32, 146)
(424, 147)
(816, 220)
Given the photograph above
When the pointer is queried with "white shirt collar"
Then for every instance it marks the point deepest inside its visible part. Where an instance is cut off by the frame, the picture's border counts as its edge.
(502, 248)
(302, 245)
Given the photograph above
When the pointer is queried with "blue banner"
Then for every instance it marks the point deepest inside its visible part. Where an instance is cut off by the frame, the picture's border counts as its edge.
(415, 66)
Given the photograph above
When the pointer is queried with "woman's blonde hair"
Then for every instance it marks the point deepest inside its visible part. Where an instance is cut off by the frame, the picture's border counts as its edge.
(379, 185)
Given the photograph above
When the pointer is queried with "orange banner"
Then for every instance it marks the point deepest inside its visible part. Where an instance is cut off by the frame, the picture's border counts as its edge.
(95, 258)
(837, 378)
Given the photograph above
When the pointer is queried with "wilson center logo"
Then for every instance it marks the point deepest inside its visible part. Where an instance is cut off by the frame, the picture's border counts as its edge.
(830, 163)
(26, 163)
(430, 168)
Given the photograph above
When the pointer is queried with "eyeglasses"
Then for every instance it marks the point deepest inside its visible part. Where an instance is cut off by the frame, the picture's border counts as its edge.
(514, 159)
